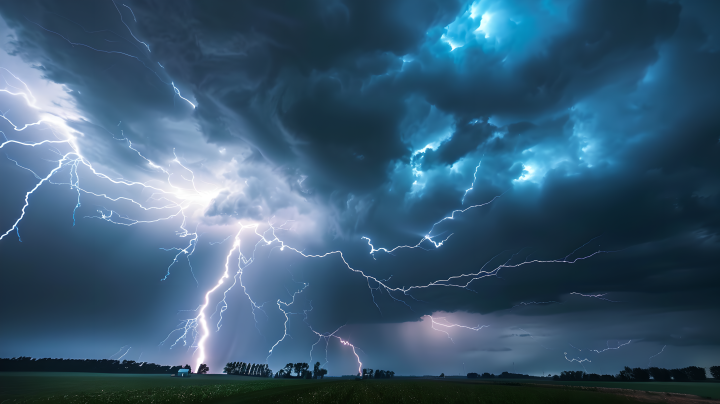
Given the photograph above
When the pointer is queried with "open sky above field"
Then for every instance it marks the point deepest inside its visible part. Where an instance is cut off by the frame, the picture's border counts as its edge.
(422, 186)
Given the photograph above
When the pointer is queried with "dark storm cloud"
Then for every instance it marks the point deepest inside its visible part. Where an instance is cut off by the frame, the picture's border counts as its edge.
(590, 118)
(291, 80)
(603, 42)
(466, 138)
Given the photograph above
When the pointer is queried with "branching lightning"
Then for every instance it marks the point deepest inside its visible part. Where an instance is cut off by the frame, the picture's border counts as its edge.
(447, 325)
(609, 348)
(174, 200)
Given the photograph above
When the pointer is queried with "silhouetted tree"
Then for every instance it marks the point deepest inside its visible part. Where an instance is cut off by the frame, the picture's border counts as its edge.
(487, 375)
(640, 375)
(679, 375)
(695, 373)
(571, 375)
(318, 371)
(203, 369)
(660, 374)
(300, 367)
(472, 375)
(248, 369)
(715, 372)
(188, 368)
(626, 375)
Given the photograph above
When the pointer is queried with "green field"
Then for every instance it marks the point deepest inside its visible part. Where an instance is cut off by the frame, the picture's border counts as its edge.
(709, 389)
(222, 389)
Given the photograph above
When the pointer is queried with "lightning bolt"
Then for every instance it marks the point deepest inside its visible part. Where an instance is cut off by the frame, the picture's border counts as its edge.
(534, 303)
(280, 303)
(578, 360)
(608, 347)
(600, 296)
(462, 201)
(177, 199)
(661, 351)
(451, 325)
(123, 355)
(120, 350)
(126, 26)
(326, 337)
(176, 91)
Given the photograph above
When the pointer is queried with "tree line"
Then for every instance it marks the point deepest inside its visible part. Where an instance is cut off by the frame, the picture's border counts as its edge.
(686, 374)
(247, 369)
(503, 375)
(302, 371)
(377, 374)
(28, 364)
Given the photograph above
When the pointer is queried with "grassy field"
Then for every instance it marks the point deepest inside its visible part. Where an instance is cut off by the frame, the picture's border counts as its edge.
(88, 388)
(421, 391)
(709, 389)
(31, 387)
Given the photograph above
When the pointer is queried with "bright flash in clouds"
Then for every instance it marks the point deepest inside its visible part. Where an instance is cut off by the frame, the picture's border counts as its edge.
(485, 24)
(528, 173)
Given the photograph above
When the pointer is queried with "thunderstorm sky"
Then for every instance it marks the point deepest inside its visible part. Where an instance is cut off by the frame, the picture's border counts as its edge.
(424, 186)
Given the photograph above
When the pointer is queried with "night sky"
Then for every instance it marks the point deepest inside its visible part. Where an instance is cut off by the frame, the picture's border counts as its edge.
(446, 186)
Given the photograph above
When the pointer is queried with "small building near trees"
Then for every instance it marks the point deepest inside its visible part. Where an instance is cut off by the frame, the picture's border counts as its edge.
(183, 373)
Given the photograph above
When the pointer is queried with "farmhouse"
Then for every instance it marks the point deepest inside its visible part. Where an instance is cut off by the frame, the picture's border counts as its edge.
(183, 373)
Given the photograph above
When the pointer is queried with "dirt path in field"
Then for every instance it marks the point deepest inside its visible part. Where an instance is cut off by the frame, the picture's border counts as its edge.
(647, 396)
(659, 397)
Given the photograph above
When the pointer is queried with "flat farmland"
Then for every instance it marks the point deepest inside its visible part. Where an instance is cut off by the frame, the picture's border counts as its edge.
(89, 388)
(710, 389)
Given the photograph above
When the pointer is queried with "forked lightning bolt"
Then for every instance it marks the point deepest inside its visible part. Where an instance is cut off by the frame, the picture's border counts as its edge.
(447, 325)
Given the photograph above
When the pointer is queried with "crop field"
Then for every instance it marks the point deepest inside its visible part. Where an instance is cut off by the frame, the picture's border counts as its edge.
(709, 389)
(91, 388)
